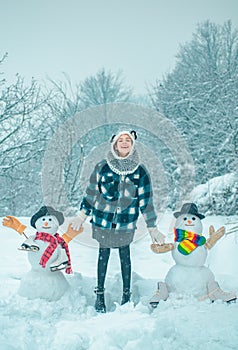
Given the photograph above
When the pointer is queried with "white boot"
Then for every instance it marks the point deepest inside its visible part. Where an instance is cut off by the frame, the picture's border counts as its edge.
(29, 245)
(216, 293)
(61, 261)
(161, 294)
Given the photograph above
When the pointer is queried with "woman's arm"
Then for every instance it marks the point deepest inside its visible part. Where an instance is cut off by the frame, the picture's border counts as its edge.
(145, 195)
(92, 190)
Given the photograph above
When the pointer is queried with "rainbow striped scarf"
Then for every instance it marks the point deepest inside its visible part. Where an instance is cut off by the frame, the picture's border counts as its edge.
(189, 240)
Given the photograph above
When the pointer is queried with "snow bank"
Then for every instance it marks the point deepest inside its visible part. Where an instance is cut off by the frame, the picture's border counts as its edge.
(71, 322)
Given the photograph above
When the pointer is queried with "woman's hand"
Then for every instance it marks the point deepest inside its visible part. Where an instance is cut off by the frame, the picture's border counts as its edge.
(156, 235)
(78, 221)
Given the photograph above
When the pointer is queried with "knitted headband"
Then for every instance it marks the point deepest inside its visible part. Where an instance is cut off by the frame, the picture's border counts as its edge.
(132, 135)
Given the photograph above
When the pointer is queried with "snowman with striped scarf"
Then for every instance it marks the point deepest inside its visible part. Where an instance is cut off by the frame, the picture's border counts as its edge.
(189, 275)
(48, 254)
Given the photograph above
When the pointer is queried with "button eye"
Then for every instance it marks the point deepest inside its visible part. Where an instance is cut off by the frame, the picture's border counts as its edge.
(193, 218)
(185, 219)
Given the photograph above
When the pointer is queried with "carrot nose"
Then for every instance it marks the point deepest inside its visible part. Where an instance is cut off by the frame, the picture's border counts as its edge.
(46, 224)
(189, 222)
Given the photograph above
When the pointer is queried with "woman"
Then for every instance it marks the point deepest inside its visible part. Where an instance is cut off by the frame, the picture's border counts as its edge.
(119, 189)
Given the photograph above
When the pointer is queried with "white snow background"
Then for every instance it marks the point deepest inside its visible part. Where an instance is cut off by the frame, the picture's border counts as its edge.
(71, 323)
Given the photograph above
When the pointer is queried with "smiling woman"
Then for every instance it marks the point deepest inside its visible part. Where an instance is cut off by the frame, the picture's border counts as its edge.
(119, 190)
(123, 145)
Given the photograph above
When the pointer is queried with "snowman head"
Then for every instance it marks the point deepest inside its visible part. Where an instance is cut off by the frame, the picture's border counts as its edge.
(47, 220)
(189, 222)
(189, 219)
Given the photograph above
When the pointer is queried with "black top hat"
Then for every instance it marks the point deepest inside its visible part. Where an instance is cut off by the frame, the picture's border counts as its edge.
(189, 208)
(47, 211)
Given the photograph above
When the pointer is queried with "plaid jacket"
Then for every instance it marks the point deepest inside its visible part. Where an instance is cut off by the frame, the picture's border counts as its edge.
(118, 199)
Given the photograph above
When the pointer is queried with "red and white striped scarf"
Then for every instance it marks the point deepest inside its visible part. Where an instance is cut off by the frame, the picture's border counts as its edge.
(54, 242)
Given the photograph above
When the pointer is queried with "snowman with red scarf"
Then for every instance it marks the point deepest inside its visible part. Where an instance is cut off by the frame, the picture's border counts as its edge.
(48, 253)
(189, 275)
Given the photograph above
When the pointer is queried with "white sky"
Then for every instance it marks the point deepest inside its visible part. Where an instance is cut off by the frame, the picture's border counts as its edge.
(140, 37)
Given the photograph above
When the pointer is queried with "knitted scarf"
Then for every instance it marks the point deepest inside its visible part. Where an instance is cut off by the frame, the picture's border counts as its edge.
(189, 240)
(123, 166)
(54, 242)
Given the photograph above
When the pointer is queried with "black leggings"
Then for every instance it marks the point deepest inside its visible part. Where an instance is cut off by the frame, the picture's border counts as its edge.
(103, 256)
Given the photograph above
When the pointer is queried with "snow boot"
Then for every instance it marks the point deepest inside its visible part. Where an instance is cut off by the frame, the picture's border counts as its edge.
(216, 293)
(29, 245)
(126, 296)
(61, 261)
(161, 294)
(100, 302)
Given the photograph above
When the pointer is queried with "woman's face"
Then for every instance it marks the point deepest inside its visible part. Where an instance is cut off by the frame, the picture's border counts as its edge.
(123, 145)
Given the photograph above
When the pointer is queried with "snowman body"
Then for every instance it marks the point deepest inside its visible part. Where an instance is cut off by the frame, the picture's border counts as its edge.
(34, 257)
(40, 282)
(189, 275)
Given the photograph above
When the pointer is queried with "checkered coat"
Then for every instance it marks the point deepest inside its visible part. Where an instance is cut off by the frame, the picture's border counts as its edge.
(118, 199)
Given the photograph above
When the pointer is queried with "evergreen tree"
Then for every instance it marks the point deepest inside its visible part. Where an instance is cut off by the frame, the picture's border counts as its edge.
(200, 96)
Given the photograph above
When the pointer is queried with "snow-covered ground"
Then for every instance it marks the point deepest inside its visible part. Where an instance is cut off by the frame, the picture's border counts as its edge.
(71, 323)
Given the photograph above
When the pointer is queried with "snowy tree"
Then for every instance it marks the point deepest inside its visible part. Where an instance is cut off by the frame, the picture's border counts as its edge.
(200, 95)
(65, 99)
(104, 87)
(64, 103)
(22, 142)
